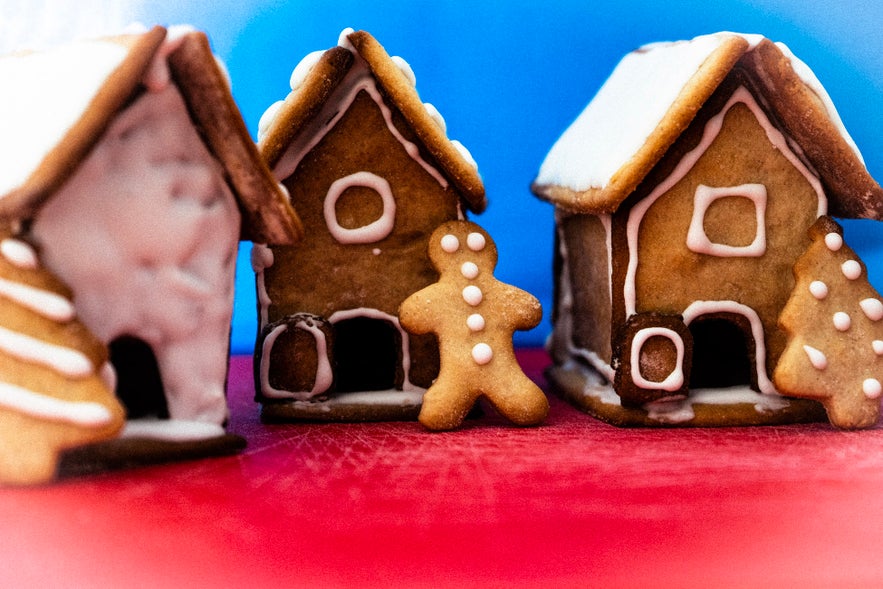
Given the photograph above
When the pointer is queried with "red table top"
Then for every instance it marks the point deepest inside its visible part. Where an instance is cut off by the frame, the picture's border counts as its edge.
(572, 503)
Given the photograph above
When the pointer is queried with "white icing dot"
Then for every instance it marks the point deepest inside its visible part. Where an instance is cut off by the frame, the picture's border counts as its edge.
(405, 68)
(268, 118)
(816, 357)
(872, 388)
(472, 295)
(833, 241)
(482, 354)
(873, 309)
(464, 153)
(469, 270)
(475, 322)
(851, 269)
(475, 241)
(299, 74)
(450, 243)
(376, 251)
(842, 322)
(818, 289)
(436, 116)
(19, 253)
(877, 345)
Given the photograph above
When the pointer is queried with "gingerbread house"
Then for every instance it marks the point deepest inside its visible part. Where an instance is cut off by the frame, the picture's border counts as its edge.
(684, 194)
(371, 172)
(128, 167)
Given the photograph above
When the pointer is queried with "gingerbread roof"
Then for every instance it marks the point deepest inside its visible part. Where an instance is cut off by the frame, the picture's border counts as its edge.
(56, 104)
(653, 95)
(319, 74)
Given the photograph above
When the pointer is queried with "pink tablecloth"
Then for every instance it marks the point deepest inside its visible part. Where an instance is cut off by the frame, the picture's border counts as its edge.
(572, 503)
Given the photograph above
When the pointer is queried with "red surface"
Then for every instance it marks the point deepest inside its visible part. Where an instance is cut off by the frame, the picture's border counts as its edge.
(572, 503)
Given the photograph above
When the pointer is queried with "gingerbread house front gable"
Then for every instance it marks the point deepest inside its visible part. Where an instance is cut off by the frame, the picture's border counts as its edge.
(713, 186)
(371, 172)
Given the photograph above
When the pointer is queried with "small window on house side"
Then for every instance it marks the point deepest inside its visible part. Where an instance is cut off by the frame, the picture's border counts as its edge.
(372, 232)
(753, 215)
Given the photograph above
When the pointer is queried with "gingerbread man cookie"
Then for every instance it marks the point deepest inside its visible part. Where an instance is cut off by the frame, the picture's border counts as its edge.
(474, 316)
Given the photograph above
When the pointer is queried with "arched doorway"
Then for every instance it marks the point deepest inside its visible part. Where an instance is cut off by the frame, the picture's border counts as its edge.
(139, 384)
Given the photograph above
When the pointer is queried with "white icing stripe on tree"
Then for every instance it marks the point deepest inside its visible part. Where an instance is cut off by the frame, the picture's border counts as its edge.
(66, 361)
(41, 406)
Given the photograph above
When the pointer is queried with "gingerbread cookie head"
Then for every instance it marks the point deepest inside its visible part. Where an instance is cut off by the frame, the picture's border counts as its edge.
(464, 248)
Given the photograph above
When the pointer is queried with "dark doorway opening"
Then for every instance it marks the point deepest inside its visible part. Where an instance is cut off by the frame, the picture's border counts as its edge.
(366, 354)
(721, 352)
(139, 385)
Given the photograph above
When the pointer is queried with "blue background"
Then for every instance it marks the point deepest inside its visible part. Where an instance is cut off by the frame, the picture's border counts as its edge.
(509, 77)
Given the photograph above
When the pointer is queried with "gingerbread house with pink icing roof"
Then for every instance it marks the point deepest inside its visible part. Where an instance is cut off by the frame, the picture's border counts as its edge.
(372, 173)
(684, 194)
(128, 168)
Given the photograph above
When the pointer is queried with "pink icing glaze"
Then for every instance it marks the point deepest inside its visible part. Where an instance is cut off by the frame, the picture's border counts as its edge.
(146, 234)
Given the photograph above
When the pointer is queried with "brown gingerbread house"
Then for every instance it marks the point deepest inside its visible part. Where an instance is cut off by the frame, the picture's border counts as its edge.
(128, 167)
(684, 194)
(372, 173)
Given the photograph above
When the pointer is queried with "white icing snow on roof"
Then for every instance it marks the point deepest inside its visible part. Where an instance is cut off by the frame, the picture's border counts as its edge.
(42, 95)
(633, 102)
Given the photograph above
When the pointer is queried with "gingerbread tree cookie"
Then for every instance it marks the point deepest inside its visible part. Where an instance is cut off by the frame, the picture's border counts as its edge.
(835, 332)
(56, 385)
(474, 316)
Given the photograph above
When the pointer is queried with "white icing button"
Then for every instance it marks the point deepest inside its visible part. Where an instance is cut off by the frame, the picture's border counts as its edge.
(475, 242)
(472, 295)
(19, 253)
(818, 289)
(851, 269)
(816, 357)
(482, 354)
(475, 322)
(450, 243)
(873, 309)
(871, 387)
(833, 241)
(877, 345)
(842, 322)
(469, 270)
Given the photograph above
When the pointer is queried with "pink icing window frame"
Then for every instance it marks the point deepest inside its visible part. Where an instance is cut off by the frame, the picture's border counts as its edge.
(699, 242)
(373, 232)
(675, 379)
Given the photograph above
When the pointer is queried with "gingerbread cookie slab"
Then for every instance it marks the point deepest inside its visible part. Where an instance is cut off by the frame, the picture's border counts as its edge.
(371, 172)
(726, 151)
(474, 316)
